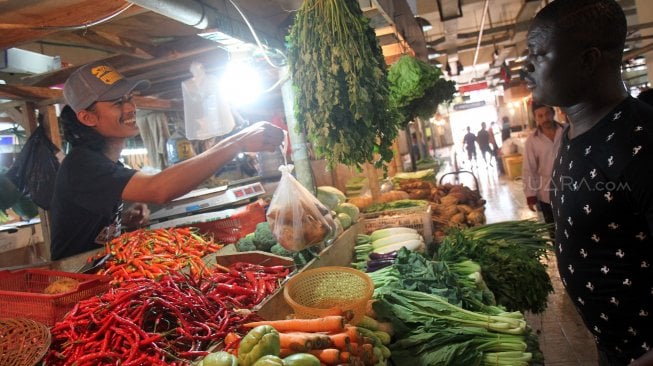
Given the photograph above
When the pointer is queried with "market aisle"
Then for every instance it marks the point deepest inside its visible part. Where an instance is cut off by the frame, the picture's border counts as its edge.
(563, 337)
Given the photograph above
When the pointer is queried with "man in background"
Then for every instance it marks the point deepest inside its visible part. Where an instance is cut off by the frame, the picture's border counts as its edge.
(505, 128)
(469, 143)
(540, 150)
(483, 141)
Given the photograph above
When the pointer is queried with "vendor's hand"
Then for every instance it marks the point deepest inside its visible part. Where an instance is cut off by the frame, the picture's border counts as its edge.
(137, 215)
(261, 136)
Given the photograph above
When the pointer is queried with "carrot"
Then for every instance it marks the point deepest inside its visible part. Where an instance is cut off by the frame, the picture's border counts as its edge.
(345, 356)
(231, 337)
(340, 340)
(367, 353)
(299, 341)
(330, 324)
(329, 356)
(357, 361)
(285, 352)
(354, 349)
(352, 331)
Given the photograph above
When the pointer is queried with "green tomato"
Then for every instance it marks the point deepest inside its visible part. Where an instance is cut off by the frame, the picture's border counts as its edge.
(301, 359)
(269, 360)
(220, 359)
(260, 341)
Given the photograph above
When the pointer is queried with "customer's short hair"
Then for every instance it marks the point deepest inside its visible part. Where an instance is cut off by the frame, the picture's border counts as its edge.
(594, 23)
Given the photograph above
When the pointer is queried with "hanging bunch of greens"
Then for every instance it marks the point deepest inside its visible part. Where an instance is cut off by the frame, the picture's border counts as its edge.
(341, 86)
(417, 88)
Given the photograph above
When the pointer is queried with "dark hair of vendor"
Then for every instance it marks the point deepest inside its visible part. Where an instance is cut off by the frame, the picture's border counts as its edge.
(78, 134)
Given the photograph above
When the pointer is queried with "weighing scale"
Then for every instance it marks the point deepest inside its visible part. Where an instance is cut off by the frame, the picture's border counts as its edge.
(207, 199)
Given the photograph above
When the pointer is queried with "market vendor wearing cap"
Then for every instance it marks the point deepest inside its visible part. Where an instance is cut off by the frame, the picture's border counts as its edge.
(91, 184)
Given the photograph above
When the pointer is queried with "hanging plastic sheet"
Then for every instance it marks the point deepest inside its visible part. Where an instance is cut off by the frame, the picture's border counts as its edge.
(206, 112)
(35, 169)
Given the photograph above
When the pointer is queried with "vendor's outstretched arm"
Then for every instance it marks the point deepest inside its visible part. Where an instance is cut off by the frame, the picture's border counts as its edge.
(181, 178)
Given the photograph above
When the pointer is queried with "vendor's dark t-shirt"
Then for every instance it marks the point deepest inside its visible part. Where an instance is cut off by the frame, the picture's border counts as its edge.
(87, 205)
(603, 207)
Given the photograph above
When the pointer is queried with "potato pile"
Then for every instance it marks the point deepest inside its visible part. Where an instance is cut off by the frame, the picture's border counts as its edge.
(458, 205)
(451, 204)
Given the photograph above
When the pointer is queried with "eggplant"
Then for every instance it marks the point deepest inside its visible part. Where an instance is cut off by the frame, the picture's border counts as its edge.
(377, 256)
(377, 264)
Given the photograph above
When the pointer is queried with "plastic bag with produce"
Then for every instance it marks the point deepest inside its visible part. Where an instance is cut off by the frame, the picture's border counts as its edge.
(297, 219)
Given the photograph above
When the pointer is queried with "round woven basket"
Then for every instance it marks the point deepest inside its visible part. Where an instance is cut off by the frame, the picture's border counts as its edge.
(23, 342)
(329, 291)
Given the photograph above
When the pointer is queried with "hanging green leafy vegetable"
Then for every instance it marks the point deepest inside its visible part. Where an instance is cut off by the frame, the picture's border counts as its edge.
(341, 85)
(417, 88)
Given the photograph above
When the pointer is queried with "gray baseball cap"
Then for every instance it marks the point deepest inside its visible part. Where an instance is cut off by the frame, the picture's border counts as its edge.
(98, 82)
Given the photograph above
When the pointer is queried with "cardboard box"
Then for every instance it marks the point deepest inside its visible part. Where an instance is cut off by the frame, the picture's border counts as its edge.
(512, 164)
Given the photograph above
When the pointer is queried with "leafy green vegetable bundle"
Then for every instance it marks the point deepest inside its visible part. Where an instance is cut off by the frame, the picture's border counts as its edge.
(510, 256)
(416, 88)
(456, 282)
(431, 331)
(341, 85)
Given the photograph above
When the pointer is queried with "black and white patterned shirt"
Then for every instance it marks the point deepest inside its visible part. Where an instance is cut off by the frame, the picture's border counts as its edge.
(602, 202)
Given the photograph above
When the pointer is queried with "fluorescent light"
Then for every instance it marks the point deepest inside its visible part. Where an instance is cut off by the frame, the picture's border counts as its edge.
(241, 83)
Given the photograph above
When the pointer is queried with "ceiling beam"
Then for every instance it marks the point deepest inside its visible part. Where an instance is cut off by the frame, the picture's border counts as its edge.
(51, 96)
(99, 41)
(33, 23)
(130, 66)
(29, 93)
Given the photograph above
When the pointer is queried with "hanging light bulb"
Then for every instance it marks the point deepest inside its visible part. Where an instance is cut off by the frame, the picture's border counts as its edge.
(241, 81)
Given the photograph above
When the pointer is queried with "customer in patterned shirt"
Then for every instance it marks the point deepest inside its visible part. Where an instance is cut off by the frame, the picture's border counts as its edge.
(602, 180)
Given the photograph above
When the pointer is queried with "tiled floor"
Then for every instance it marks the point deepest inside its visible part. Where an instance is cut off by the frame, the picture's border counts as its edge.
(562, 335)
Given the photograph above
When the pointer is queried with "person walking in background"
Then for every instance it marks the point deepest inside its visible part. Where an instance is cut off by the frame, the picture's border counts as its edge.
(602, 179)
(505, 128)
(540, 150)
(469, 143)
(483, 141)
(493, 138)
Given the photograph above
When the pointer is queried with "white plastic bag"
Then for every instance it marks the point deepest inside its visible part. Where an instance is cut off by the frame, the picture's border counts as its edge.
(297, 219)
(206, 112)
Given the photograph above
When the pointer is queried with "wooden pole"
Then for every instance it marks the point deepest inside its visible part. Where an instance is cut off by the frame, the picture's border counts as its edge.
(51, 125)
(373, 179)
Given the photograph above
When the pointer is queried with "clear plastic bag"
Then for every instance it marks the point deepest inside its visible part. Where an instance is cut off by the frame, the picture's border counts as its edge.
(297, 219)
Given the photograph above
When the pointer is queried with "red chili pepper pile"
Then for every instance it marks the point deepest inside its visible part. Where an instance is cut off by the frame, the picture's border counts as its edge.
(247, 284)
(152, 253)
(169, 321)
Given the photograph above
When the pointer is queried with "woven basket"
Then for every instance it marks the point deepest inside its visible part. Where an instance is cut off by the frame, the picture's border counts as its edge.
(23, 342)
(326, 291)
